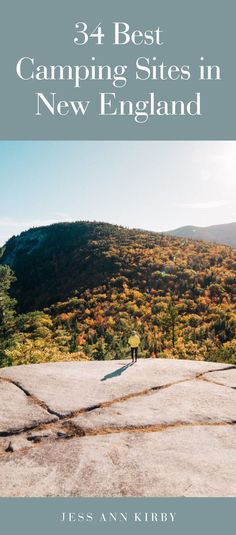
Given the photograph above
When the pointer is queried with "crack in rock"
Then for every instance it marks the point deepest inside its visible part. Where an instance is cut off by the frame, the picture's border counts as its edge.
(32, 397)
(25, 429)
(83, 410)
(202, 377)
(146, 429)
(66, 429)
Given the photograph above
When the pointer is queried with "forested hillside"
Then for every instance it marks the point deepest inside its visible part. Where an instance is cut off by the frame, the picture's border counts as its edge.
(82, 287)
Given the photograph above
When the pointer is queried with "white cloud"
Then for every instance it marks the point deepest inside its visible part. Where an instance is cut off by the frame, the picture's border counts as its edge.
(216, 162)
(202, 205)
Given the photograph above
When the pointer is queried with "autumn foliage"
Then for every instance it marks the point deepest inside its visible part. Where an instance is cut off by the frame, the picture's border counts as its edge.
(179, 294)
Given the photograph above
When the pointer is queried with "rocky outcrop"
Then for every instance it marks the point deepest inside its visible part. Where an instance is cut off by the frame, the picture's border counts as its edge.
(155, 428)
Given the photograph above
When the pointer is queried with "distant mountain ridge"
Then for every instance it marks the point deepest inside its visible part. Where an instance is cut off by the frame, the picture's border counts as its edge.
(225, 233)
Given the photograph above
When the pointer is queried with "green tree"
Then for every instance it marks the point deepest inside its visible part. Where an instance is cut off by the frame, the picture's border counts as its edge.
(7, 313)
(169, 321)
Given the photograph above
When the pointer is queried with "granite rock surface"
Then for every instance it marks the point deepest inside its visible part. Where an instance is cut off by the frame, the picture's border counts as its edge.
(113, 428)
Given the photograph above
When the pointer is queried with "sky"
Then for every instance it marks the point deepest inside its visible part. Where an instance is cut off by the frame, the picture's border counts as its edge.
(153, 185)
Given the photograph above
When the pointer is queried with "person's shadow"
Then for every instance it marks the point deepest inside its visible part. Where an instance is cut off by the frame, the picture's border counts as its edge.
(118, 372)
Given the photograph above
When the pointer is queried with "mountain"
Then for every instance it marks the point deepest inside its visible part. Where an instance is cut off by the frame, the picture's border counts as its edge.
(83, 287)
(54, 261)
(225, 234)
(51, 263)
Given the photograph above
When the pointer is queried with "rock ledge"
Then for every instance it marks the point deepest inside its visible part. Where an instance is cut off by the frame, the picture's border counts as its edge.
(155, 428)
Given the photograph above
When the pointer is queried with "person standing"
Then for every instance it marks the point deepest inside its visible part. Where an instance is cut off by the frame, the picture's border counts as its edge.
(134, 343)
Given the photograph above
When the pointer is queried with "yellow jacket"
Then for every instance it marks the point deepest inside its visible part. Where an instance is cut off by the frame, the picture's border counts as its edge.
(134, 340)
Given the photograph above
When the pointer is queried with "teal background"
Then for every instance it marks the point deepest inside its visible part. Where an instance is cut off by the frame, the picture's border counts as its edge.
(45, 30)
(193, 516)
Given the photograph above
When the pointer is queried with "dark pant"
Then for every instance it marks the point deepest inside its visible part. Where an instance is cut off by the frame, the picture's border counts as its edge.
(134, 353)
